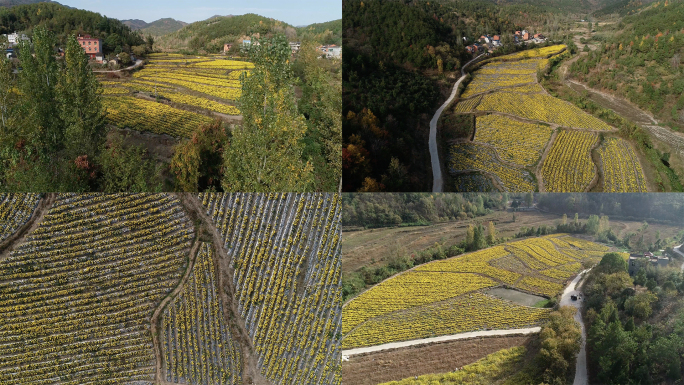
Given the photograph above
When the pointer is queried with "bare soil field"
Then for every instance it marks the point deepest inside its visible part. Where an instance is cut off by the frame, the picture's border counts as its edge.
(373, 247)
(394, 365)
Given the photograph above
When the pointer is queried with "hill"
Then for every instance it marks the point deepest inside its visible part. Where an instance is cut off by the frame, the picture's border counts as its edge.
(329, 32)
(65, 21)
(210, 35)
(162, 27)
(12, 3)
(135, 24)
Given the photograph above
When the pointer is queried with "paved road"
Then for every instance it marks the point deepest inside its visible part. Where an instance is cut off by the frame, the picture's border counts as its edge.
(432, 142)
(581, 377)
(460, 336)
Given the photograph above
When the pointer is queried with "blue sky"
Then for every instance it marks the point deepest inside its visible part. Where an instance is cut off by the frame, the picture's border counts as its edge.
(297, 12)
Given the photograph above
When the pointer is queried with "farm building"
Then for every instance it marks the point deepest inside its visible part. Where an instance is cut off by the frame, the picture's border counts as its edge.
(636, 262)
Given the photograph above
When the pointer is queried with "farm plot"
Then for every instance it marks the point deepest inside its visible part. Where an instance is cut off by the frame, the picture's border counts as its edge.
(285, 250)
(77, 296)
(197, 347)
(568, 166)
(192, 85)
(621, 169)
(515, 142)
(541, 107)
(145, 115)
(467, 105)
(446, 297)
(483, 82)
(477, 157)
(15, 210)
(469, 312)
(471, 183)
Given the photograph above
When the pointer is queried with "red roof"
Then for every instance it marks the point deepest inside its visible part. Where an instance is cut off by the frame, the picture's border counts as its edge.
(496, 37)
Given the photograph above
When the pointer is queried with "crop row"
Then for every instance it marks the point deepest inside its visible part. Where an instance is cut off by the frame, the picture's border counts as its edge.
(285, 250)
(144, 115)
(475, 157)
(15, 210)
(622, 171)
(541, 107)
(568, 166)
(470, 312)
(515, 142)
(197, 347)
(225, 64)
(467, 105)
(77, 295)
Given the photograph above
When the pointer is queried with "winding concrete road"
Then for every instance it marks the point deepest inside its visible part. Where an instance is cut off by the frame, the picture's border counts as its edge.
(581, 377)
(459, 336)
(138, 63)
(437, 181)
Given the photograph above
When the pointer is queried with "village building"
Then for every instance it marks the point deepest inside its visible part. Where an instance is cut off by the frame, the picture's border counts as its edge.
(92, 47)
(330, 51)
(295, 46)
(636, 262)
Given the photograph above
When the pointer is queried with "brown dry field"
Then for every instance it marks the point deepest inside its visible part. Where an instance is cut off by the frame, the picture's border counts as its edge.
(372, 247)
(397, 364)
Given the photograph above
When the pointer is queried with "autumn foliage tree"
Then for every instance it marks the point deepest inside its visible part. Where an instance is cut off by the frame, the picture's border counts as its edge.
(197, 163)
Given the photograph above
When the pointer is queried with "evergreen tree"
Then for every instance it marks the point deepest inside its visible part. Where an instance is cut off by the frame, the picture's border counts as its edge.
(470, 236)
(266, 153)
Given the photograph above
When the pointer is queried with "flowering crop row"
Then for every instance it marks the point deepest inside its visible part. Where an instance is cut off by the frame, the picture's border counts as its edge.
(541, 107)
(15, 210)
(475, 157)
(515, 142)
(285, 250)
(226, 64)
(470, 312)
(477, 262)
(203, 103)
(467, 105)
(568, 166)
(77, 296)
(621, 168)
(144, 115)
(197, 347)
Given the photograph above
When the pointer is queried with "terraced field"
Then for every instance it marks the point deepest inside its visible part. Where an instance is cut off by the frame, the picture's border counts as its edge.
(447, 297)
(181, 92)
(142, 289)
(517, 118)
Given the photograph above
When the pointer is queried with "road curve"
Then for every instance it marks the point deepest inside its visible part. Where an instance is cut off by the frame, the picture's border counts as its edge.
(581, 377)
(459, 336)
(437, 181)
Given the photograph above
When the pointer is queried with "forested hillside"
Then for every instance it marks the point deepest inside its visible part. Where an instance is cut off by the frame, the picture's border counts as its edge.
(643, 61)
(162, 27)
(210, 35)
(65, 21)
(12, 3)
(329, 32)
(394, 53)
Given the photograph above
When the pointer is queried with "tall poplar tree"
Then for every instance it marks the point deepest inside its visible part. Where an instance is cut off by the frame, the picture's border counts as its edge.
(266, 153)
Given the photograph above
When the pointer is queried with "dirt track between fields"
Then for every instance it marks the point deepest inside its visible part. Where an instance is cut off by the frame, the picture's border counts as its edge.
(154, 321)
(250, 370)
(18, 236)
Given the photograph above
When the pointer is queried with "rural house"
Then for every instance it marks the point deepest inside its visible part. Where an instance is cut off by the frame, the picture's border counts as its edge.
(636, 262)
(92, 47)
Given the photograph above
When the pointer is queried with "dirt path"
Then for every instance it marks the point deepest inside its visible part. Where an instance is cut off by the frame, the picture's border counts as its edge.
(18, 237)
(581, 377)
(250, 370)
(437, 180)
(159, 376)
(424, 341)
(137, 64)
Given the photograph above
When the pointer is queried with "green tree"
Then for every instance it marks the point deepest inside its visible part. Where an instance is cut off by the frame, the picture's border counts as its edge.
(125, 169)
(265, 154)
(150, 43)
(529, 199)
(38, 81)
(125, 58)
(612, 263)
(491, 233)
(80, 104)
(560, 342)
